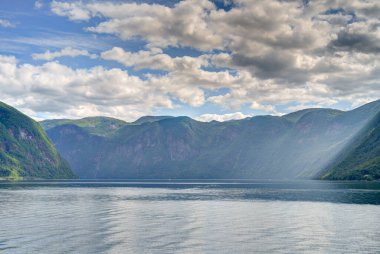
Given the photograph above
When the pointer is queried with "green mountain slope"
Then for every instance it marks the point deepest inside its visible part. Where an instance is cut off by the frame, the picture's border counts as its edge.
(298, 145)
(102, 126)
(362, 160)
(25, 150)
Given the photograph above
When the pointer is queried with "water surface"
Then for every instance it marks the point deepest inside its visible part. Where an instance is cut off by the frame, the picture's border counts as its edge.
(189, 217)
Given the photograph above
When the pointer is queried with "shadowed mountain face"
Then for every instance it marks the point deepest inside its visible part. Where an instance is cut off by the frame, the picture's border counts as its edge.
(298, 145)
(25, 150)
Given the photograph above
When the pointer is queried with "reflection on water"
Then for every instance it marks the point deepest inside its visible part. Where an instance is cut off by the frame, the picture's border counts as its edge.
(189, 217)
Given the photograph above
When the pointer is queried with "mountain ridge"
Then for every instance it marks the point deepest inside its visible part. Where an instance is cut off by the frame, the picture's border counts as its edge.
(301, 144)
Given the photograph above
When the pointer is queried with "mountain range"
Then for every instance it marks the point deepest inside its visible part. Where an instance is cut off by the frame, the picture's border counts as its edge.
(313, 143)
(307, 144)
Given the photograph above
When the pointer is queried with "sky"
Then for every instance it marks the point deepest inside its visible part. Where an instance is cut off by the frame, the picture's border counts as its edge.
(210, 60)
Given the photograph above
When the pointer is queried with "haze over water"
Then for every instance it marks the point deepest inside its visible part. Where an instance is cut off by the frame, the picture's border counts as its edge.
(189, 217)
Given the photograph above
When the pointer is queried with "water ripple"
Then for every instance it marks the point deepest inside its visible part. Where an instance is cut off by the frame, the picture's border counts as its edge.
(263, 218)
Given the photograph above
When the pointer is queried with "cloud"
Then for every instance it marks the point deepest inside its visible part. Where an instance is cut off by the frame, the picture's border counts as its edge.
(183, 25)
(38, 4)
(153, 59)
(221, 118)
(56, 90)
(68, 51)
(186, 77)
(266, 108)
(249, 27)
(356, 41)
(264, 55)
(265, 44)
(74, 11)
(6, 23)
(8, 59)
(51, 39)
(273, 65)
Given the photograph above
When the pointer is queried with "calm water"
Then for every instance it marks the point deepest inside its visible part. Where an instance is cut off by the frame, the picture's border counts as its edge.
(189, 217)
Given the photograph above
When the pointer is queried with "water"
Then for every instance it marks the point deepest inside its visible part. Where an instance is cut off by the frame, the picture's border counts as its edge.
(189, 217)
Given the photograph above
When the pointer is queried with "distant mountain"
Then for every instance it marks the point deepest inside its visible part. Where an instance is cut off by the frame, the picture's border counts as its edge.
(295, 116)
(26, 151)
(102, 126)
(150, 119)
(99, 125)
(298, 145)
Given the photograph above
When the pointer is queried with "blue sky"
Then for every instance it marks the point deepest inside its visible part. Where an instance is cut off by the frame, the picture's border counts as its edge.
(205, 59)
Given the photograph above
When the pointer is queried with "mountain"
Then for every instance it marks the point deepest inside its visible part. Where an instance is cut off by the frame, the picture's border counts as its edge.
(26, 151)
(102, 126)
(150, 119)
(298, 145)
(295, 116)
(361, 161)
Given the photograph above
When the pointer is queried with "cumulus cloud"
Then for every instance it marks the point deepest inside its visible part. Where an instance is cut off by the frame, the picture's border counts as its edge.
(74, 11)
(68, 51)
(284, 46)
(359, 37)
(271, 56)
(266, 108)
(154, 58)
(57, 90)
(162, 26)
(221, 118)
(6, 23)
(186, 78)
